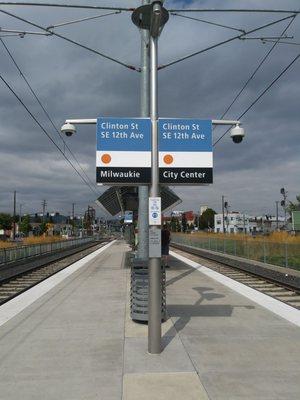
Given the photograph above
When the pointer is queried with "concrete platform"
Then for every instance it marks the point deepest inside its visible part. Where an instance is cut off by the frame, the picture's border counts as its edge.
(75, 341)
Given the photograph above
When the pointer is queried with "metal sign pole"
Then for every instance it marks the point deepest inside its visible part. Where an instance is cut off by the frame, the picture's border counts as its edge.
(143, 226)
(155, 300)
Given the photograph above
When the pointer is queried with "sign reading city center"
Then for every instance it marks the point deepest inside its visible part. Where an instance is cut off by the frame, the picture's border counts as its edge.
(185, 151)
(123, 151)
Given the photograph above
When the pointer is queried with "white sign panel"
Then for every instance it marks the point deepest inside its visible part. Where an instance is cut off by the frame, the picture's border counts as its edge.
(154, 242)
(154, 211)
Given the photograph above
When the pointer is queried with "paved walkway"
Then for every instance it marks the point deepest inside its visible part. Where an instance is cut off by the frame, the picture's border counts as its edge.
(77, 342)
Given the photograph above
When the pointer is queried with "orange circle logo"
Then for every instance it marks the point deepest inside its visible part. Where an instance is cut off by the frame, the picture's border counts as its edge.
(106, 158)
(168, 159)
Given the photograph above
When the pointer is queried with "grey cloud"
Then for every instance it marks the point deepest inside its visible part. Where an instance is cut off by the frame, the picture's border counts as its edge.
(74, 83)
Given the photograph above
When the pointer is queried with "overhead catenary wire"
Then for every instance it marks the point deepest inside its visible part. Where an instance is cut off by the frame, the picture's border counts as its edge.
(46, 133)
(83, 46)
(43, 108)
(262, 93)
(208, 22)
(260, 64)
(224, 42)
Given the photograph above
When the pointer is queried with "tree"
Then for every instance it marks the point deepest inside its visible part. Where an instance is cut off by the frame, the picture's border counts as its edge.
(207, 219)
(5, 221)
(25, 226)
(184, 223)
(294, 206)
(173, 224)
(43, 227)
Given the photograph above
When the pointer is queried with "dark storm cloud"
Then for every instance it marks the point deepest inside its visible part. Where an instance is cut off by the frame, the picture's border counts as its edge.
(74, 83)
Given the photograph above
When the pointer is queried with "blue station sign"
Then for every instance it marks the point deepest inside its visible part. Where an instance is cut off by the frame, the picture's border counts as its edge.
(185, 151)
(123, 151)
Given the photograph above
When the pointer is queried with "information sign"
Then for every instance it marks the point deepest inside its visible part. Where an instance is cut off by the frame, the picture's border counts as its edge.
(128, 217)
(154, 211)
(123, 151)
(185, 151)
(154, 242)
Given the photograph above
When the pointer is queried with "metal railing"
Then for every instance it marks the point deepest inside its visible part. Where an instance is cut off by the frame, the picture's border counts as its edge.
(17, 253)
(281, 254)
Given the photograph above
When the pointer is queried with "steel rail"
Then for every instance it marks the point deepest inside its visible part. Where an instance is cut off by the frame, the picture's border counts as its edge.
(231, 266)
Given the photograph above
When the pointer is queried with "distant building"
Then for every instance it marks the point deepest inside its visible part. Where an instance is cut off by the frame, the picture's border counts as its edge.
(235, 222)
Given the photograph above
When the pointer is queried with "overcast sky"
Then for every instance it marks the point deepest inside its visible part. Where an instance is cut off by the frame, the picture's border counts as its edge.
(72, 82)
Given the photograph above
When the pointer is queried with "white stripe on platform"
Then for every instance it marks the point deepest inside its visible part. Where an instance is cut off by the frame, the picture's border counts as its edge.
(141, 159)
(285, 311)
(187, 159)
(17, 304)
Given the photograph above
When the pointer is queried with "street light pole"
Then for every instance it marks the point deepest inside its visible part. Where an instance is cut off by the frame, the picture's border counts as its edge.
(155, 300)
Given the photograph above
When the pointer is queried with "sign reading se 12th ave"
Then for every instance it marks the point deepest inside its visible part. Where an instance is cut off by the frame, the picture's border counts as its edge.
(123, 151)
(185, 151)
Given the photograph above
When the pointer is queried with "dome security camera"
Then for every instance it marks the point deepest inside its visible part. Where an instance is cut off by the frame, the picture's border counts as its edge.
(237, 134)
(68, 129)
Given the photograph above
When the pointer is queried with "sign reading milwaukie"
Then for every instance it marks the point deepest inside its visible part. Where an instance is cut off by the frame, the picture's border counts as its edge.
(185, 151)
(123, 151)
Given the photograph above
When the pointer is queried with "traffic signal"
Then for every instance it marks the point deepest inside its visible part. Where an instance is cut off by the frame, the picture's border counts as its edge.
(282, 191)
(282, 203)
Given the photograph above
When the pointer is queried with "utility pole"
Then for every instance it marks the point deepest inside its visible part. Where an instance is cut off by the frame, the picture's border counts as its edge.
(277, 225)
(73, 216)
(20, 212)
(143, 225)
(14, 217)
(223, 213)
(44, 205)
(283, 204)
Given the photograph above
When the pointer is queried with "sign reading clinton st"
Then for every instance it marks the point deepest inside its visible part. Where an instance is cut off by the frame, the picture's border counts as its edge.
(123, 151)
(185, 151)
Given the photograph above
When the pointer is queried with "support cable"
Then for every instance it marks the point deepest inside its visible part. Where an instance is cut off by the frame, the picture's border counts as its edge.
(71, 41)
(46, 133)
(224, 42)
(272, 41)
(262, 93)
(257, 68)
(86, 7)
(235, 10)
(208, 22)
(76, 21)
(43, 108)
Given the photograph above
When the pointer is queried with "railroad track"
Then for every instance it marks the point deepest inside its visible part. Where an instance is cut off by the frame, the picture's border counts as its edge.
(22, 282)
(286, 294)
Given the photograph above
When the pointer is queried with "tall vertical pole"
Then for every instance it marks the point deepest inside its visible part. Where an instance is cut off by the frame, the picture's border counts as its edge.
(14, 221)
(155, 300)
(223, 213)
(277, 215)
(143, 226)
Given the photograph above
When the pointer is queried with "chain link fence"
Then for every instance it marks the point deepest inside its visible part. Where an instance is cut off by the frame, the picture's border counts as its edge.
(17, 253)
(276, 253)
